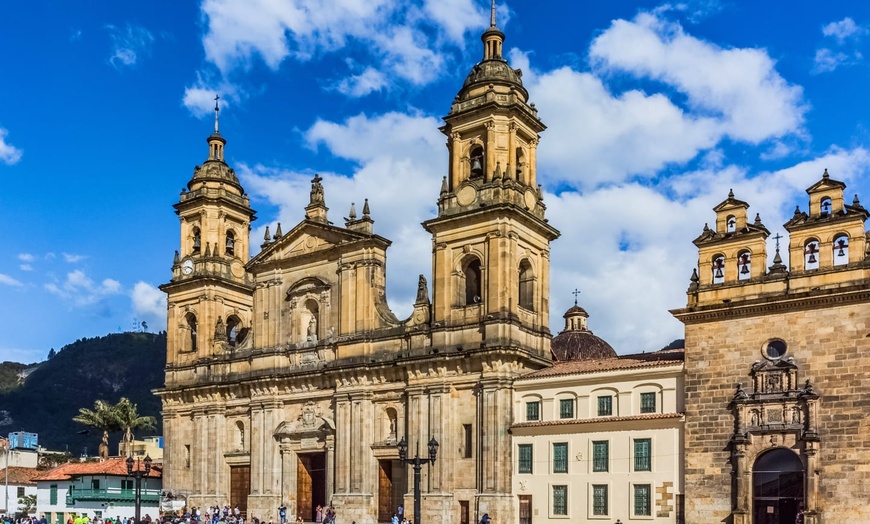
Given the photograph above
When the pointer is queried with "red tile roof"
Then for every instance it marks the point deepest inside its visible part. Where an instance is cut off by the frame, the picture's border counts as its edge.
(570, 421)
(20, 475)
(661, 358)
(113, 466)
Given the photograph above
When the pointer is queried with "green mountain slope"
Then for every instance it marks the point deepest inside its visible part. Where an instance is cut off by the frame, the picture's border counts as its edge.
(110, 367)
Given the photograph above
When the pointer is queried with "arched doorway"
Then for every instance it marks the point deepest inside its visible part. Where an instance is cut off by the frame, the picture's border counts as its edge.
(777, 487)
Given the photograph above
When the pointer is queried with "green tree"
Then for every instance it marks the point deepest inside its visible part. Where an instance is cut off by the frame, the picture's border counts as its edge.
(128, 419)
(52, 354)
(102, 417)
(27, 503)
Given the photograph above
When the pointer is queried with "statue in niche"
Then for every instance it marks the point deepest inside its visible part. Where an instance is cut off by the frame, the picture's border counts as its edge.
(796, 416)
(312, 329)
(755, 418)
(220, 330)
(774, 383)
(740, 394)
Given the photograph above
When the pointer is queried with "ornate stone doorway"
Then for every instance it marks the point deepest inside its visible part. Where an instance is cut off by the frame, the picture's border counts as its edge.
(310, 484)
(777, 487)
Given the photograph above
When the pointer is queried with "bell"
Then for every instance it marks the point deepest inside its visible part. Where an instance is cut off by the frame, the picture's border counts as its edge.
(476, 167)
(718, 273)
(812, 258)
(196, 243)
(745, 269)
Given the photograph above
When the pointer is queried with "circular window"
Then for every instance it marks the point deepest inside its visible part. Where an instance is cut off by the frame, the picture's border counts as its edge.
(775, 349)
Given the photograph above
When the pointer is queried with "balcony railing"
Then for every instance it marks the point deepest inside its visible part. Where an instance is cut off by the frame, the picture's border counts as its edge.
(112, 495)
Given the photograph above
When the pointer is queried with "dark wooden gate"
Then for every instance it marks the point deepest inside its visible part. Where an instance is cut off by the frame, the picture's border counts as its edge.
(385, 491)
(525, 509)
(240, 487)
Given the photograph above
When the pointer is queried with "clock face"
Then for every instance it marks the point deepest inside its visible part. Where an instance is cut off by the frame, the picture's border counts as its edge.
(187, 267)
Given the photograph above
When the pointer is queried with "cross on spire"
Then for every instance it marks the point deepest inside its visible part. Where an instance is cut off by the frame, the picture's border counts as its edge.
(575, 293)
(777, 237)
(216, 111)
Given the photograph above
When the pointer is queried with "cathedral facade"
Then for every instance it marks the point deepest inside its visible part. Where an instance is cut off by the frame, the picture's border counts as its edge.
(289, 381)
(777, 365)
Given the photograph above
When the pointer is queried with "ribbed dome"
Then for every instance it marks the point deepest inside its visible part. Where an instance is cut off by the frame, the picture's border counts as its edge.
(576, 342)
(494, 72)
(217, 171)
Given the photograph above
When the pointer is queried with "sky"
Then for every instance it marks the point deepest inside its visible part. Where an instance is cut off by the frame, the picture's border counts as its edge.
(655, 110)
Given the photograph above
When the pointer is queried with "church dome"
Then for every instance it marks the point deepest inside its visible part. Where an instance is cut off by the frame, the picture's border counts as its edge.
(576, 342)
(495, 71)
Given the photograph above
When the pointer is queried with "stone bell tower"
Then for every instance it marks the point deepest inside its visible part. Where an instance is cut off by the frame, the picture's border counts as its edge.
(209, 303)
(491, 255)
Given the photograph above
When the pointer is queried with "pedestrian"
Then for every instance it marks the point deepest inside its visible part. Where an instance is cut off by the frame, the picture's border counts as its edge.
(318, 514)
(395, 519)
(282, 512)
(484, 519)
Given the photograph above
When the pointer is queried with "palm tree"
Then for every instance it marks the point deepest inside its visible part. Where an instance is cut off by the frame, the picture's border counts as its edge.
(127, 419)
(102, 417)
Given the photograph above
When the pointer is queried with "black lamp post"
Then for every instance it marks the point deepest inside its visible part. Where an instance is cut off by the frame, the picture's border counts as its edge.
(417, 462)
(138, 474)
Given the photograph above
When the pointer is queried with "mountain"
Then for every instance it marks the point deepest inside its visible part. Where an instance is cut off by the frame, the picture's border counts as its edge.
(108, 368)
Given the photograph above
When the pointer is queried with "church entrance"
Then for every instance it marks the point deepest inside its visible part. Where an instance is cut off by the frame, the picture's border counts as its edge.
(391, 488)
(777, 487)
(310, 484)
(240, 486)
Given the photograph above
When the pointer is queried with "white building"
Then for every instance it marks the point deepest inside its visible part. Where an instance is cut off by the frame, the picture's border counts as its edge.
(17, 482)
(598, 437)
(98, 489)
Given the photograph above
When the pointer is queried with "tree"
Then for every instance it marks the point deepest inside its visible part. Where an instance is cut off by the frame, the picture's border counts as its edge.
(51, 354)
(102, 417)
(128, 419)
(27, 504)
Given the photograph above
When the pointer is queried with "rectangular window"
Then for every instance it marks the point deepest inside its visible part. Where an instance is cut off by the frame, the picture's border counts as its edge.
(126, 485)
(599, 499)
(95, 483)
(20, 491)
(52, 494)
(642, 506)
(600, 455)
(648, 403)
(642, 452)
(187, 455)
(525, 458)
(533, 411)
(560, 457)
(466, 431)
(566, 408)
(605, 406)
(560, 500)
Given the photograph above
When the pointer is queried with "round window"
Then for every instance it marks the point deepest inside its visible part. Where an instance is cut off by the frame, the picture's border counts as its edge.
(775, 349)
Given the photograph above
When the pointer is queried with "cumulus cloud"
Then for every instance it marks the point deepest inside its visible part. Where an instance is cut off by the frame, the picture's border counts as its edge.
(72, 259)
(843, 30)
(149, 303)
(368, 81)
(6, 280)
(81, 290)
(9, 154)
(405, 39)
(26, 257)
(199, 97)
(738, 86)
(129, 44)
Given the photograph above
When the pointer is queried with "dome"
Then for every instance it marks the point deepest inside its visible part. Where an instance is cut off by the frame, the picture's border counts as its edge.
(576, 342)
(493, 72)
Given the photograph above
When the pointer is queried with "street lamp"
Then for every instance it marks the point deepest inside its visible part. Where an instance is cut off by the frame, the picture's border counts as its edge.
(138, 474)
(417, 462)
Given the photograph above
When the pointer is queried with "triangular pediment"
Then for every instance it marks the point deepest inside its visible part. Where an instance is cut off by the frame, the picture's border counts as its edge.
(825, 184)
(307, 238)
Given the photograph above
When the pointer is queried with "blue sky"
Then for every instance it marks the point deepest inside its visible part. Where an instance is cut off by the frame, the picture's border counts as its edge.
(655, 110)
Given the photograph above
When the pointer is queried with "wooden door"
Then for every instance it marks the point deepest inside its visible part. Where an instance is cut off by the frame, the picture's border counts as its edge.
(525, 509)
(240, 487)
(463, 512)
(304, 495)
(385, 491)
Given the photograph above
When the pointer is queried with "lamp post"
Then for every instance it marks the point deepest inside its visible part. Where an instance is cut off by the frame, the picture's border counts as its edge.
(138, 474)
(417, 462)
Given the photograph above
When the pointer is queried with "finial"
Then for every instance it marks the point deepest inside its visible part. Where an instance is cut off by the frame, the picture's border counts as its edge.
(492, 15)
(797, 210)
(575, 293)
(176, 259)
(730, 193)
(497, 172)
(316, 190)
(695, 278)
(217, 110)
(706, 227)
(267, 237)
(366, 211)
(278, 233)
(757, 219)
(777, 237)
(352, 214)
(443, 185)
(855, 201)
(825, 175)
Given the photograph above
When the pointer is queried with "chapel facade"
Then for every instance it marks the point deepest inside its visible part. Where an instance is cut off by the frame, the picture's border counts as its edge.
(777, 366)
(289, 381)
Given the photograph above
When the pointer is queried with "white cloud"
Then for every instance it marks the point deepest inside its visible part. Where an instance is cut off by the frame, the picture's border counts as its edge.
(199, 97)
(9, 154)
(72, 259)
(81, 290)
(406, 40)
(843, 30)
(26, 257)
(129, 44)
(368, 81)
(149, 303)
(6, 280)
(739, 87)
(25, 267)
(827, 60)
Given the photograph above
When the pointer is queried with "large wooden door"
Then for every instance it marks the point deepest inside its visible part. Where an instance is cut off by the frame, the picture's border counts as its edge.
(310, 484)
(385, 490)
(525, 509)
(240, 487)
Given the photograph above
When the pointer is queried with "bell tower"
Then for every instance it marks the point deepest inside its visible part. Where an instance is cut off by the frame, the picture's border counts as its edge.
(209, 296)
(490, 239)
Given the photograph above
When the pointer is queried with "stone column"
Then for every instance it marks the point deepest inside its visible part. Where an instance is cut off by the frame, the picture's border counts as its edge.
(533, 162)
(330, 467)
(289, 463)
(490, 152)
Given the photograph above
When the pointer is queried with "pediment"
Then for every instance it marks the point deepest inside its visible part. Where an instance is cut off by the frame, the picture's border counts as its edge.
(305, 239)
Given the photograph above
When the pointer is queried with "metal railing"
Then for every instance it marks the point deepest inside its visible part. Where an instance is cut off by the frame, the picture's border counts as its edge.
(111, 494)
